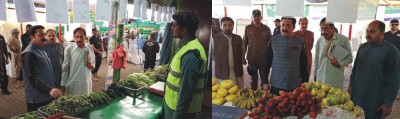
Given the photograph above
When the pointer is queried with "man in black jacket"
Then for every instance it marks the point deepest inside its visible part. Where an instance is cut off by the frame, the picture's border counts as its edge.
(3, 61)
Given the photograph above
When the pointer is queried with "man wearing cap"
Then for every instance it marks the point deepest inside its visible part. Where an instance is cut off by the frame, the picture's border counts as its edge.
(330, 69)
(393, 36)
(227, 54)
(255, 39)
(277, 29)
(286, 55)
(308, 39)
(14, 46)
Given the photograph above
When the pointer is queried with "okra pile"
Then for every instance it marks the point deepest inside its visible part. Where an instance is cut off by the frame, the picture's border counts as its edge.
(30, 116)
(73, 105)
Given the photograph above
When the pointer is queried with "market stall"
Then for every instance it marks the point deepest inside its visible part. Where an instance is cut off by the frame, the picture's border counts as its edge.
(127, 98)
(311, 100)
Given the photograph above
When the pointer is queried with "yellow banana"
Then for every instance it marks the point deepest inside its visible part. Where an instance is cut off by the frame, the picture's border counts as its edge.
(243, 104)
(252, 103)
(249, 104)
(236, 101)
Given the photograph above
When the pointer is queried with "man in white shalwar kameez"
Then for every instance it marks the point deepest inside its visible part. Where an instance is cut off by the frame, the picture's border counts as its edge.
(77, 66)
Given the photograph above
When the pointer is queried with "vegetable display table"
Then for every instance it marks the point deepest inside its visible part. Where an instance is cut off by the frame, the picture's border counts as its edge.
(145, 106)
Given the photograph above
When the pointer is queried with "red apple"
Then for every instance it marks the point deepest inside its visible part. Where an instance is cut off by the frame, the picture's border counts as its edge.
(313, 114)
(266, 110)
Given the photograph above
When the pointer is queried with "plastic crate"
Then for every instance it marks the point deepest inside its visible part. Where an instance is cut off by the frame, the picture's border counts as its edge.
(133, 92)
(33, 112)
(41, 110)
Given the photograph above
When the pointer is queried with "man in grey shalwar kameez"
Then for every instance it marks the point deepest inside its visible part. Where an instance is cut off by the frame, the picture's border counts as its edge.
(55, 52)
(375, 80)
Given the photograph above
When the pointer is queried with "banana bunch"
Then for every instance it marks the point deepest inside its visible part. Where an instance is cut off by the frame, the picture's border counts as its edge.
(245, 99)
(259, 93)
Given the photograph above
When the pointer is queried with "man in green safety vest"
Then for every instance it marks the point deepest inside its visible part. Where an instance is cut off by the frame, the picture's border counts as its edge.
(185, 81)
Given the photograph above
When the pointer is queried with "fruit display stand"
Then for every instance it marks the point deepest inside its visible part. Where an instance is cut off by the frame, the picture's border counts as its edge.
(311, 100)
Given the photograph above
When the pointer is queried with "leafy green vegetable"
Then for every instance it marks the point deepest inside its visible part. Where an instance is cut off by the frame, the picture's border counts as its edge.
(31, 115)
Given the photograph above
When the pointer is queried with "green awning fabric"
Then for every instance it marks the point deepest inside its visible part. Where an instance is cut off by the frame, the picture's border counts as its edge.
(168, 46)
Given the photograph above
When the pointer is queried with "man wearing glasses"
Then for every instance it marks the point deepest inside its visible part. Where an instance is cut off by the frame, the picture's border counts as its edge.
(393, 36)
(330, 70)
(255, 39)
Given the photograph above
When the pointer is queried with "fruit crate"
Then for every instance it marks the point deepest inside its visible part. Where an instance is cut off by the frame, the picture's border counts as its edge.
(22, 116)
(41, 110)
(133, 92)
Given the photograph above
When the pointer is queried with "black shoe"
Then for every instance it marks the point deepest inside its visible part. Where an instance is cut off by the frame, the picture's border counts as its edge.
(6, 92)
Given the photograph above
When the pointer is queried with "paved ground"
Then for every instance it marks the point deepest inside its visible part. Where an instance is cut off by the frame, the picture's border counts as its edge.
(14, 104)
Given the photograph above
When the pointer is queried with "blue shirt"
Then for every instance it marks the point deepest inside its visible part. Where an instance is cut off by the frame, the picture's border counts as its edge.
(288, 60)
(56, 54)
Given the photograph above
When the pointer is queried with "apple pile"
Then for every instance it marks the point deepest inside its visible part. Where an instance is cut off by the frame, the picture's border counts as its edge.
(332, 96)
(225, 91)
(299, 102)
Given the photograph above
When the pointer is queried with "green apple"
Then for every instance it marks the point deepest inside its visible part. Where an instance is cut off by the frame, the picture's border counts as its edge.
(341, 106)
(308, 86)
(334, 100)
(357, 111)
(314, 91)
(329, 85)
(346, 96)
(318, 84)
(321, 94)
(332, 90)
(325, 87)
(326, 102)
(338, 91)
(312, 84)
(341, 99)
(349, 105)
(329, 95)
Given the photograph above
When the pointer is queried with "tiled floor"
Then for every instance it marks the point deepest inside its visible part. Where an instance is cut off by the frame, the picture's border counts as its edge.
(14, 104)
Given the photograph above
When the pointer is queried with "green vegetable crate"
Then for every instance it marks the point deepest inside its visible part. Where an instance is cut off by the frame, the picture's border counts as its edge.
(133, 92)
(30, 115)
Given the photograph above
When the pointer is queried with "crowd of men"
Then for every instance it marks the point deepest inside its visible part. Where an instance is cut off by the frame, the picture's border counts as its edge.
(48, 69)
(374, 82)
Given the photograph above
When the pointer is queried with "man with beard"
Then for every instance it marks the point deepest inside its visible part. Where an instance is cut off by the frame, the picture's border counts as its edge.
(255, 39)
(286, 55)
(39, 79)
(186, 77)
(77, 66)
(375, 79)
(55, 52)
(308, 39)
(228, 55)
(330, 70)
(393, 36)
